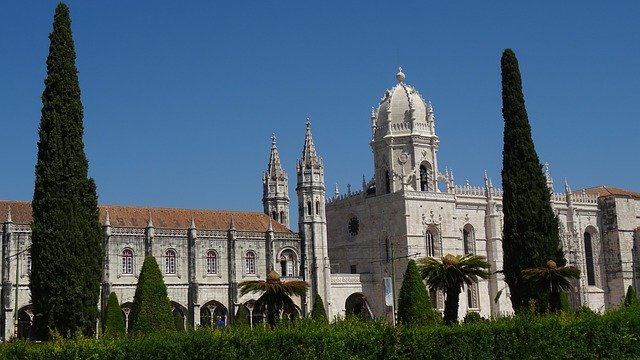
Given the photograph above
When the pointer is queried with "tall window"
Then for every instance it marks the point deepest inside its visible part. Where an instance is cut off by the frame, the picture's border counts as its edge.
(211, 262)
(127, 261)
(28, 261)
(588, 252)
(431, 244)
(250, 263)
(468, 239)
(424, 178)
(387, 180)
(170, 262)
(472, 296)
(317, 207)
(287, 263)
(309, 208)
(282, 220)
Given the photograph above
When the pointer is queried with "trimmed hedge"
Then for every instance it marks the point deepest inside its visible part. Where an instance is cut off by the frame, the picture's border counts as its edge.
(113, 325)
(151, 310)
(587, 336)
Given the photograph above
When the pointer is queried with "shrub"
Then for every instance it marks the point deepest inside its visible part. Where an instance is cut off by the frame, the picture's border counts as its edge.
(113, 326)
(414, 304)
(318, 313)
(151, 310)
(473, 317)
(631, 298)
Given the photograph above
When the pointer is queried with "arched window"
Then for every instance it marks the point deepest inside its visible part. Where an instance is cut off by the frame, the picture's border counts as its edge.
(170, 262)
(588, 254)
(430, 244)
(274, 215)
(424, 179)
(282, 219)
(468, 240)
(250, 263)
(287, 263)
(309, 208)
(127, 261)
(317, 207)
(211, 262)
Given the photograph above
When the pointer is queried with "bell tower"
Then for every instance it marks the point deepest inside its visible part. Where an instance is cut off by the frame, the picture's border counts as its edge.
(275, 188)
(404, 142)
(312, 222)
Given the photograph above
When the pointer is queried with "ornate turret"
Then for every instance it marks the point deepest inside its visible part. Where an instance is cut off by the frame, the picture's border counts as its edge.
(275, 188)
(312, 221)
(404, 142)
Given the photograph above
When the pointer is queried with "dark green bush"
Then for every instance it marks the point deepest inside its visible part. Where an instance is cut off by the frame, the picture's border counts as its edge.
(114, 325)
(151, 310)
(318, 313)
(414, 304)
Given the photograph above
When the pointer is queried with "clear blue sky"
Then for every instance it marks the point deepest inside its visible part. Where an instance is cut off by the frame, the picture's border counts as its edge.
(181, 98)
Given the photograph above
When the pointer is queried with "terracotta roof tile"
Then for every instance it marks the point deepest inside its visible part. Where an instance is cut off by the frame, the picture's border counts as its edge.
(608, 191)
(134, 216)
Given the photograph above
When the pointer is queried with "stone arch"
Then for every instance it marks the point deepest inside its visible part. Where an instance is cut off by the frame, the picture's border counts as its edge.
(179, 316)
(25, 322)
(213, 313)
(126, 313)
(358, 305)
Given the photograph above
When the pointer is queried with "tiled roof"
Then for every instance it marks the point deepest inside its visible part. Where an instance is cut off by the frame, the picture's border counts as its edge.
(608, 191)
(134, 216)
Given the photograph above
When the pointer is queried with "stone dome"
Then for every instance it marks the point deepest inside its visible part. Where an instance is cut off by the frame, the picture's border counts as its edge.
(397, 109)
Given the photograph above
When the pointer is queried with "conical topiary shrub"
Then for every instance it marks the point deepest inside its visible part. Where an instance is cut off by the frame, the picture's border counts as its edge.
(318, 312)
(151, 310)
(113, 326)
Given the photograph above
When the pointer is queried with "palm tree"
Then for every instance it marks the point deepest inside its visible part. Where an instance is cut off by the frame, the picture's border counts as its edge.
(450, 274)
(276, 294)
(552, 279)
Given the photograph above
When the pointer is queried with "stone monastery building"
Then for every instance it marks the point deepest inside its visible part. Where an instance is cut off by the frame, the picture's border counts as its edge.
(352, 248)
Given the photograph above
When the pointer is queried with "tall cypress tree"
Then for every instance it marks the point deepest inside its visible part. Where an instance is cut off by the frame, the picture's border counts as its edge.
(530, 233)
(66, 233)
(414, 303)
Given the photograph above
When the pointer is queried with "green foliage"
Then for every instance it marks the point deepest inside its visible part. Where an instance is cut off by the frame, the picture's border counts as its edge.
(66, 247)
(613, 335)
(450, 274)
(318, 312)
(414, 304)
(151, 310)
(242, 317)
(113, 325)
(552, 280)
(473, 317)
(275, 294)
(631, 298)
(530, 231)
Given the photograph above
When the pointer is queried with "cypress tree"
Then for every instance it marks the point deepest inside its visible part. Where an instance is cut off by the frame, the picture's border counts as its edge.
(151, 310)
(631, 299)
(414, 304)
(318, 312)
(114, 325)
(530, 233)
(66, 233)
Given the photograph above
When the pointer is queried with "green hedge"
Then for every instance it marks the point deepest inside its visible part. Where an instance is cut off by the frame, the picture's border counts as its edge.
(588, 336)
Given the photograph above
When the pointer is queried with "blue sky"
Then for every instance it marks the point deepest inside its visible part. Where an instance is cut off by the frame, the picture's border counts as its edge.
(181, 99)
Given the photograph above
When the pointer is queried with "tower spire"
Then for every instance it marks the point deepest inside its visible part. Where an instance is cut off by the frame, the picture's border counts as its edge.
(275, 188)
(309, 155)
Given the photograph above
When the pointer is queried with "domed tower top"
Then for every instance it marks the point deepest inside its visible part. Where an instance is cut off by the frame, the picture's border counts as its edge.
(402, 111)
(404, 141)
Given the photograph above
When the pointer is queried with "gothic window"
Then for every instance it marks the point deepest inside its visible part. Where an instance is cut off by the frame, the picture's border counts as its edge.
(250, 263)
(211, 262)
(170, 262)
(472, 296)
(287, 263)
(588, 254)
(274, 215)
(431, 244)
(468, 240)
(353, 269)
(282, 219)
(317, 207)
(387, 248)
(424, 180)
(127, 261)
(309, 208)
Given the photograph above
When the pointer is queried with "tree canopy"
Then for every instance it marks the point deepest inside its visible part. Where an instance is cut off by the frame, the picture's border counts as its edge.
(151, 310)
